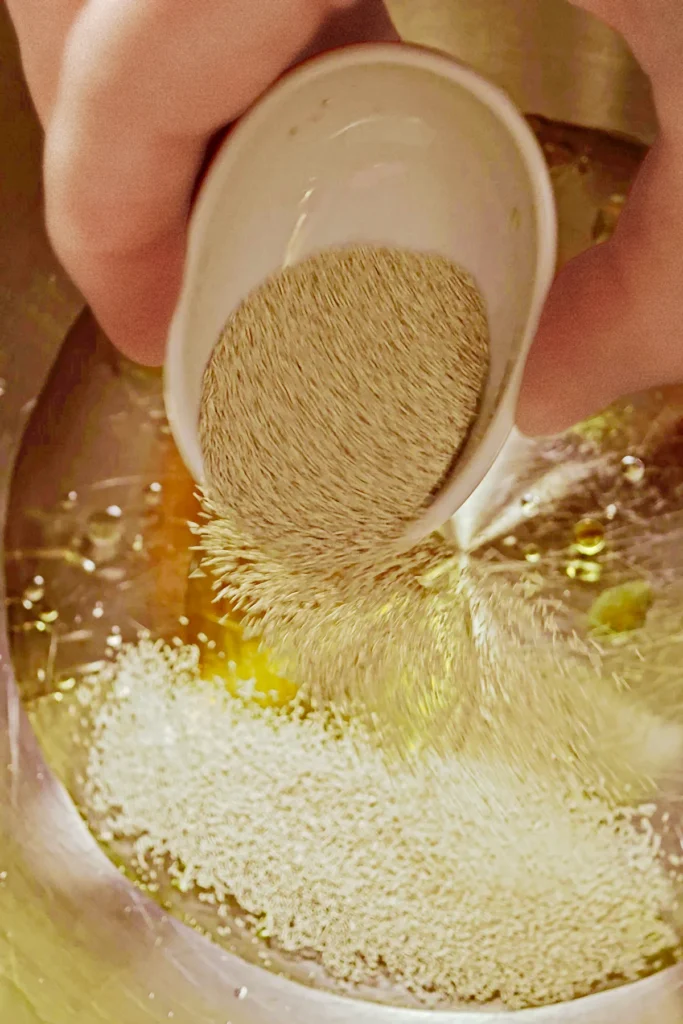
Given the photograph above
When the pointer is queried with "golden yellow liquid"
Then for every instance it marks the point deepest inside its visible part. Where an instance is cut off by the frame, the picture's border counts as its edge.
(247, 671)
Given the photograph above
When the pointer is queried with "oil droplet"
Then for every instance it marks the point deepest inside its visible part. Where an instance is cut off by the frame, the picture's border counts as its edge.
(584, 571)
(98, 610)
(69, 502)
(623, 608)
(50, 615)
(88, 565)
(633, 469)
(153, 494)
(589, 537)
(115, 640)
(532, 553)
(241, 993)
(105, 529)
(35, 591)
(529, 505)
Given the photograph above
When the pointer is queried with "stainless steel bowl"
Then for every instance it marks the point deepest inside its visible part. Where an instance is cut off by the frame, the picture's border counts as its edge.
(81, 430)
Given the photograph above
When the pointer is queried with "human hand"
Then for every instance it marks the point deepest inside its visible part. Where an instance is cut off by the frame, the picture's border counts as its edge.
(124, 147)
(613, 323)
(130, 92)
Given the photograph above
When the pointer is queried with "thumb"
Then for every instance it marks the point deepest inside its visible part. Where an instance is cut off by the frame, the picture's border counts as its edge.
(613, 323)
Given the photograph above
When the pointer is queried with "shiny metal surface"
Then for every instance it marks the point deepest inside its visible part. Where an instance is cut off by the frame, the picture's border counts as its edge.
(552, 58)
(78, 943)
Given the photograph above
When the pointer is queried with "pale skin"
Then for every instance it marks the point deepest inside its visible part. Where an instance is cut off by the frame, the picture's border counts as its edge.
(130, 93)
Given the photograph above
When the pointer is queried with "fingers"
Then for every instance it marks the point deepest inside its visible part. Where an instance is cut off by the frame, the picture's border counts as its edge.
(654, 31)
(613, 323)
(145, 83)
(356, 22)
(42, 29)
(583, 356)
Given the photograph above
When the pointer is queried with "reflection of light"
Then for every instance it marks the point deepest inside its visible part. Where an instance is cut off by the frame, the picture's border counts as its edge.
(408, 131)
(293, 250)
(475, 525)
(353, 125)
(368, 177)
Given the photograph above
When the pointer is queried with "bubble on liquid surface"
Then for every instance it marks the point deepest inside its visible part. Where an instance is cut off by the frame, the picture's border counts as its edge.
(69, 501)
(35, 591)
(153, 494)
(632, 469)
(105, 528)
(115, 640)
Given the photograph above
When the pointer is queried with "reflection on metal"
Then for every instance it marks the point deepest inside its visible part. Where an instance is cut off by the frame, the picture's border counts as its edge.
(78, 943)
(553, 58)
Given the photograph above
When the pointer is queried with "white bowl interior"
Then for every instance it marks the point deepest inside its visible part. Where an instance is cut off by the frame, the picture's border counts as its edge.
(382, 144)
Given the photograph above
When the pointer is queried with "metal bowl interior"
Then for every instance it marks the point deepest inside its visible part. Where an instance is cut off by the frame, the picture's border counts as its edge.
(85, 432)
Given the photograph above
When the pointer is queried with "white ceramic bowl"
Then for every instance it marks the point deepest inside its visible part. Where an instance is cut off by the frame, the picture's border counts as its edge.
(383, 143)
